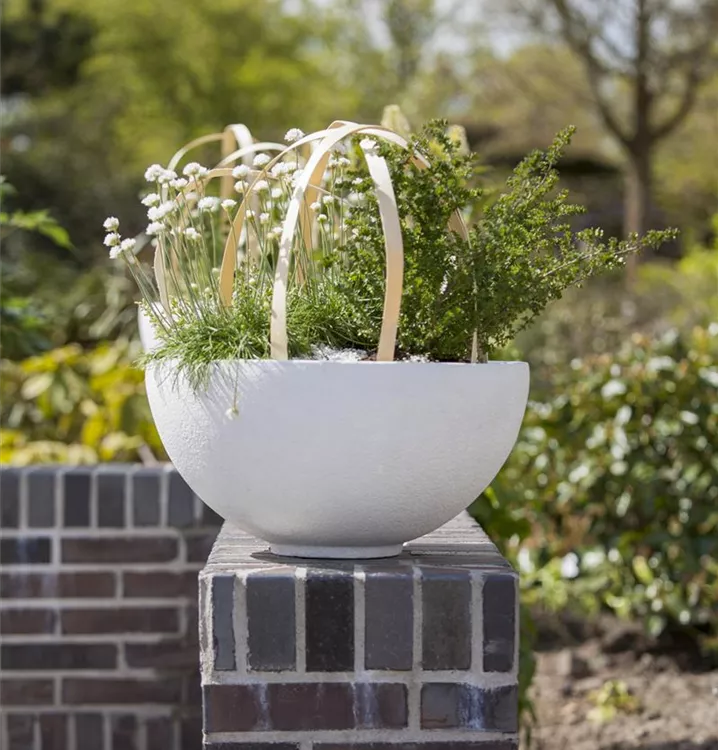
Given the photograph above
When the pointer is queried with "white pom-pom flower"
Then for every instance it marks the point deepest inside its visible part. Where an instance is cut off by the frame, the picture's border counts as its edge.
(260, 160)
(112, 239)
(293, 134)
(152, 199)
(111, 223)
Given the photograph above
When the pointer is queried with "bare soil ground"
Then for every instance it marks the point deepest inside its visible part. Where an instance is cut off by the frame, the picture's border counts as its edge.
(674, 691)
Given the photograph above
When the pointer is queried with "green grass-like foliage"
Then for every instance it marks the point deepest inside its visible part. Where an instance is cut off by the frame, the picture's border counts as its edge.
(521, 254)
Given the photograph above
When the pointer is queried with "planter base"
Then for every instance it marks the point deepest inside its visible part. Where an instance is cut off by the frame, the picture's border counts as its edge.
(332, 553)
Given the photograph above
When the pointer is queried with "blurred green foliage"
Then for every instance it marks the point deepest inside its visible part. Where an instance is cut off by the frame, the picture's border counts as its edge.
(73, 406)
(619, 471)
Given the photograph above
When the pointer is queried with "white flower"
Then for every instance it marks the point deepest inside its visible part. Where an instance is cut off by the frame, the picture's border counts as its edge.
(228, 204)
(191, 196)
(342, 161)
(194, 169)
(151, 200)
(293, 134)
(111, 224)
(275, 232)
(261, 185)
(239, 186)
(322, 219)
(179, 183)
(327, 200)
(154, 172)
(358, 181)
(368, 144)
(249, 213)
(277, 193)
(128, 245)
(264, 218)
(316, 206)
(260, 160)
(112, 239)
(208, 203)
(155, 227)
(241, 171)
(282, 168)
(191, 233)
(115, 252)
(232, 412)
(167, 176)
(157, 213)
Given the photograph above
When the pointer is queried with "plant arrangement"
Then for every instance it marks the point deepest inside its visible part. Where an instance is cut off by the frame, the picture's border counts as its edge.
(310, 327)
(480, 284)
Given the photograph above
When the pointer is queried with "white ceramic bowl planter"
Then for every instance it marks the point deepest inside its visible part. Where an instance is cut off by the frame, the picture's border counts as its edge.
(335, 459)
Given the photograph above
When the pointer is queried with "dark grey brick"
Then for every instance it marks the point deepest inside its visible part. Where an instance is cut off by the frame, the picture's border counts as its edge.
(249, 746)
(76, 484)
(380, 705)
(20, 731)
(389, 619)
(123, 732)
(181, 502)
(223, 622)
(271, 621)
(25, 551)
(160, 733)
(499, 612)
(59, 656)
(446, 606)
(111, 499)
(443, 745)
(41, 497)
(311, 706)
(89, 732)
(329, 628)
(449, 705)
(146, 488)
(9, 498)
(53, 731)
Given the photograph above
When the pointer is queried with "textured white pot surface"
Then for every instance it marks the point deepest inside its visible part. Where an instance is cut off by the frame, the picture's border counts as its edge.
(338, 459)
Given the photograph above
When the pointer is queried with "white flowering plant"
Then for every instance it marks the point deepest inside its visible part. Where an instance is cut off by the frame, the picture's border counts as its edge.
(467, 287)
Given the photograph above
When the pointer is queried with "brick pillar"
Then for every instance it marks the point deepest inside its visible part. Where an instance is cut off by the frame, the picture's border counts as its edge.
(410, 653)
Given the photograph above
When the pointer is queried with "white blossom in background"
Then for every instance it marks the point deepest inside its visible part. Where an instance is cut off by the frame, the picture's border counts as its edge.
(368, 144)
(316, 206)
(167, 176)
(249, 213)
(293, 134)
(192, 234)
(154, 172)
(208, 203)
(152, 199)
(264, 218)
(111, 224)
(194, 169)
(155, 227)
(228, 204)
(240, 186)
(241, 171)
(328, 200)
(260, 160)
(277, 193)
(157, 213)
(261, 186)
(112, 239)
(358, 181)
(179, 183)
(128, 245)
(322, 219)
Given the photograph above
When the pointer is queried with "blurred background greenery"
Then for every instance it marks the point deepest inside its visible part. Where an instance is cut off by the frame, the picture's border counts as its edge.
(617, 463)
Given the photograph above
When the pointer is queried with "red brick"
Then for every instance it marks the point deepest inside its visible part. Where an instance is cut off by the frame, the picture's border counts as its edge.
(26, 692)
(159, 584)
(119, 620)
(91, 550)
(231, 708)
(27, 621)
(54, 585)
(311, 706)
(78, 691)
(167, 654)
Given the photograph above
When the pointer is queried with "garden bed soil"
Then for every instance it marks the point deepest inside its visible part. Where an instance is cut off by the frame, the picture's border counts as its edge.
(675, 690)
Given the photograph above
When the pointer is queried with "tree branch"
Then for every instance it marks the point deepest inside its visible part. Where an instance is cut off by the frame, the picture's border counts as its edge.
(682, 110)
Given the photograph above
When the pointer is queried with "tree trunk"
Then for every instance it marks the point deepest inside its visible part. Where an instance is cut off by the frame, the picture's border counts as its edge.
(637, 200)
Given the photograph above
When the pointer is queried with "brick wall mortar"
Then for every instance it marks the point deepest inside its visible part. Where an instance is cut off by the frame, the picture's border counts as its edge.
(328, 692)
(160, 551)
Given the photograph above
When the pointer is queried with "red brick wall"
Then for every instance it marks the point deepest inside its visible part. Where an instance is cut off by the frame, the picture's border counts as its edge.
(98, 613)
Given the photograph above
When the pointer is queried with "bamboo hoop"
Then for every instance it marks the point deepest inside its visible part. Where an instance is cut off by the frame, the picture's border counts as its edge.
(304, 193)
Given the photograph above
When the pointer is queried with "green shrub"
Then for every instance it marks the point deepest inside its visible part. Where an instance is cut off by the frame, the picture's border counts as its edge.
(620, 469)
(71, 405)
